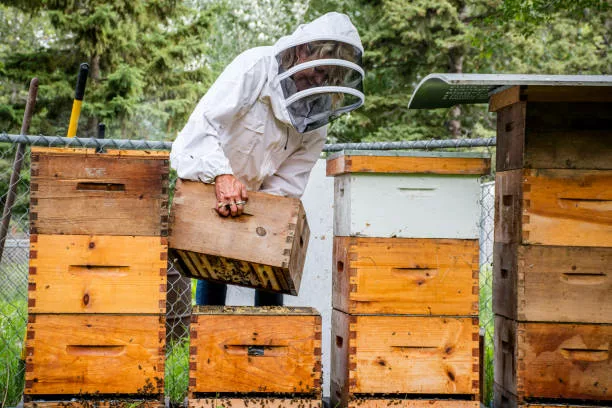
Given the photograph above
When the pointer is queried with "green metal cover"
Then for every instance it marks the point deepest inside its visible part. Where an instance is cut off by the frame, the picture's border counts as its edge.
(447, 90)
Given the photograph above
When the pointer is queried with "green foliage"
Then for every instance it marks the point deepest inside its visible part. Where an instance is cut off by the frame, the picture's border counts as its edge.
(12, 327)
(145, 64)
(177, 370)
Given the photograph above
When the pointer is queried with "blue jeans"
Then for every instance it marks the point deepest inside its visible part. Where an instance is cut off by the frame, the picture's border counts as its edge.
(214, 294)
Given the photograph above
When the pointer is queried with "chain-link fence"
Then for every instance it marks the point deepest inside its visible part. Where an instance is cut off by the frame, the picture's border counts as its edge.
(15, 258)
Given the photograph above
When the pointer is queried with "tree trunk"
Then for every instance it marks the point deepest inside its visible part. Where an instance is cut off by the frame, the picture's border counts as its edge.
(456, 67)
(94, 76)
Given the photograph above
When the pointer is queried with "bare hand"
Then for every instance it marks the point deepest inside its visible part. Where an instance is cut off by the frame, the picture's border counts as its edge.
(231, 195)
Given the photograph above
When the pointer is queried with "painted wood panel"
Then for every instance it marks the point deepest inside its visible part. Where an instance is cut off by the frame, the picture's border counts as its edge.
(406, 206)
(97, 274)
(405, 276)
(79, 192)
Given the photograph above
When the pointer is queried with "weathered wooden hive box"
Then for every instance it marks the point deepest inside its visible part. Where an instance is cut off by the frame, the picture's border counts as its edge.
(79, 192)
(552, 267)
(544, 360)
(264, 248)
(272, 350)
(97, 276)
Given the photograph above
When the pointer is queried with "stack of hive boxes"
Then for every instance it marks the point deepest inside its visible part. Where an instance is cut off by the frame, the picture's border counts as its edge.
(405, 279)
(244, 356)
(97, 277)
(255, 356)
(553, 246)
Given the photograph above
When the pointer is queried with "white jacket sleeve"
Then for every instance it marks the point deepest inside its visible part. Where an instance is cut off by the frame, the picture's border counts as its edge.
(197, 152)
(292, 176)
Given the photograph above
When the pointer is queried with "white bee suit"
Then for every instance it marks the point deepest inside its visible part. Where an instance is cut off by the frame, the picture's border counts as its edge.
(253, 123)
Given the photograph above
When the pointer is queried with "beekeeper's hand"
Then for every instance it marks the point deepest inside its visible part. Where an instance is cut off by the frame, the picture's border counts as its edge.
(231, 195)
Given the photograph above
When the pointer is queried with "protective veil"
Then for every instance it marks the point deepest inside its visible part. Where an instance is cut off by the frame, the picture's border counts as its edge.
(264, 119)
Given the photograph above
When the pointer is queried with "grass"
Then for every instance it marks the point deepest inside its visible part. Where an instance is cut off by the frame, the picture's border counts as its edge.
(177, 371)
(12, 327)
(487, 321)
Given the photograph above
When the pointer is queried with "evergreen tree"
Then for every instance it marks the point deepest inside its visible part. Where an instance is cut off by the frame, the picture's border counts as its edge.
(145, 64)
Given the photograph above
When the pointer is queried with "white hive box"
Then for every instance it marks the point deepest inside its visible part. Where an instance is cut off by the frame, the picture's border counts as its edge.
(407, 194)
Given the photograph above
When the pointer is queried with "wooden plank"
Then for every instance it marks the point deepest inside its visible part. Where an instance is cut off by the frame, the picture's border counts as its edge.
(510, 137)
(553, 360)
(407, 355)
(252, 402)
(553, 284)
(408, 164)
(265, 247)
(406, 206)
(94, 354)
(100, 194)
(271, 350)
(71, 151)
(542, 93)
(504, 399)
(84, 402)
(505, 98)
(339, 359)
(405, 276)
(567, 207)
(97, 274)
(508, 206)
(411, 403)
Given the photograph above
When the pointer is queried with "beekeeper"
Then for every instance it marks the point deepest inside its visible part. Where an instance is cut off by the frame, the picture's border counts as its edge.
(263, 123)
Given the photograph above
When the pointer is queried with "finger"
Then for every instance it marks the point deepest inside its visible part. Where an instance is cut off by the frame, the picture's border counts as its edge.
(234, 209)
(222, 210)
(240, 208)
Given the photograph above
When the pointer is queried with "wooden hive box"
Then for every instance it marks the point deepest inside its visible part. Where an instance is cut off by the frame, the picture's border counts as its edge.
(405, 276)
(88, 402)
(403, 356)
(86, 354)
(552, 283)
(553, 128)
(374, 402)
(270, 351)
(553, 360)
(265, 248)
(554, 207)
(97, 274)
(81, 192)
(418, 187)
(252, 402)
(504, 399)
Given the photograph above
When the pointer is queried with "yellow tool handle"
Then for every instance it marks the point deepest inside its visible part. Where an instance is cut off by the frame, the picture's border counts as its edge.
(78, 99)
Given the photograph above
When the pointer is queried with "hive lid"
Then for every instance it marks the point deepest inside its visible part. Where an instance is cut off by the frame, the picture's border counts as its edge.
(446, 90)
